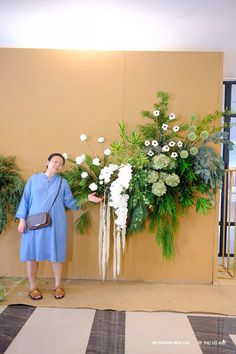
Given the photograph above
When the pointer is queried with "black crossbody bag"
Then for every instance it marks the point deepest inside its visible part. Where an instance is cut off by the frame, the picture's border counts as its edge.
(37, 221)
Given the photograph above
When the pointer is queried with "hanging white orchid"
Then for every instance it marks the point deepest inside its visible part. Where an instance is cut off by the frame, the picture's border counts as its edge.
(118, 200)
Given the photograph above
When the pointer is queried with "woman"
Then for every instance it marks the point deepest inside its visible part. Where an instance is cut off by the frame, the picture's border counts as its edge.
(47, 243)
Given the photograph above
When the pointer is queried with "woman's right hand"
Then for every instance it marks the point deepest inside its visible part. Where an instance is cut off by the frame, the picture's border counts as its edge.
(22, 226)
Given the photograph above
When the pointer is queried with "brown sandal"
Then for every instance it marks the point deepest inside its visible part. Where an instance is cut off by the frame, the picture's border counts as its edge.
(59, 292)
(35, 294)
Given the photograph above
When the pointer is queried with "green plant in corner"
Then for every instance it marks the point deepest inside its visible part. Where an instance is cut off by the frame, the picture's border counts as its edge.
(11, 188)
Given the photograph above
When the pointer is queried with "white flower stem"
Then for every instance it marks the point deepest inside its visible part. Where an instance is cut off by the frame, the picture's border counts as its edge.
(123, 239)
(104, 242)
(108, 223)
(100, 235)
(118, 252)
(114, 251)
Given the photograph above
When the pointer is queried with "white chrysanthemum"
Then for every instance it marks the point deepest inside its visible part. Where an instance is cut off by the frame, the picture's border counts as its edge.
(165, 148)
(174, 154)
(101, 139)
(93, 187)
(150, 153)
(180, 144)
(164, 126)
(154, 143)
(176, 128)
(96, 161)
(146, 142)
(80, 159)
(171, 116)
(172, 143)
(107, 152)
(156, 113)
(65, 155)
(83, 137)
(84, 174)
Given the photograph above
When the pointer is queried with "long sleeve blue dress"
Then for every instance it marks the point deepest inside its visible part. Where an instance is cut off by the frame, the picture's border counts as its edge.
(48, 243)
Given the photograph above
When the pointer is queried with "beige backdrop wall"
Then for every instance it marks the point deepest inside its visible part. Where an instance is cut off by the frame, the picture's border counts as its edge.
(49, 97)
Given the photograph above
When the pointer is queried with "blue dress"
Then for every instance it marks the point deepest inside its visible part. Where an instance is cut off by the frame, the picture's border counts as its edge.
(48, 243)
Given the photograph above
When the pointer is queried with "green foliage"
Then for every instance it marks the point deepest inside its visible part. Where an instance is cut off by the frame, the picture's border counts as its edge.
(186, 197)
(164, 219)
(2, 292)
(83, 222)
(80, 190)
(163, 103)
(139, 202)
(203, 205)
(128, 148)
(210, 167)
(11, 189)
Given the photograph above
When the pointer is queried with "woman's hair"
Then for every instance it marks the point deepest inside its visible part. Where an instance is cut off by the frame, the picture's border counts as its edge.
(56, 154)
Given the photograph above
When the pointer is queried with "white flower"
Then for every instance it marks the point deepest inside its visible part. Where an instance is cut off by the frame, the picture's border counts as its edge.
(101, 139)
(65, 155)
(96, 161)
(180, 144)
(93, 187)
(150, 153)
(154, 143)
(156, 113)
(107, 152)
(174, 154)
(83, 137)
(84, 174)
(118, 199)
(172, 143)
(101, 182)
(106, 172)
(165, 148)
(176, 128)
(171, 116)
(113, 167)
(164, 126)
(146, 142)
(80, 159)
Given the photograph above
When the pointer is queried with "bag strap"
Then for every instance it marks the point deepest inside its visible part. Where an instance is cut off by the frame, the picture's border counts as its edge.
(56, 195)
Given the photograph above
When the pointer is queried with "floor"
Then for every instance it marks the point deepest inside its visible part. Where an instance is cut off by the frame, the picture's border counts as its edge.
(28, 329)
(53, 327)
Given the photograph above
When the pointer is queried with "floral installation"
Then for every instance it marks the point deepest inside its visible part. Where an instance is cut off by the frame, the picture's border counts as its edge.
(150, 176)
(110, 181)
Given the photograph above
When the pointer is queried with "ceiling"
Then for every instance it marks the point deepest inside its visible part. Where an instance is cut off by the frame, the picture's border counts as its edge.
(190, 25)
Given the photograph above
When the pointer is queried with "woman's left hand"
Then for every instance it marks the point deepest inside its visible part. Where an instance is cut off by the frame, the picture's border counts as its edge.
(92, 198)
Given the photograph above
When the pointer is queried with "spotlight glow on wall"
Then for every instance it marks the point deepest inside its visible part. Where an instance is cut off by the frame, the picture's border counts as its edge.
(84, 26)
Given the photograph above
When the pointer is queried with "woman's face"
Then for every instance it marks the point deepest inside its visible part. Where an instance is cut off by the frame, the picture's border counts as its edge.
(55, 165)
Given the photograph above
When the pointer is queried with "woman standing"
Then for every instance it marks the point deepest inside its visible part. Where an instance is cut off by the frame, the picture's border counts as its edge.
(47, 243)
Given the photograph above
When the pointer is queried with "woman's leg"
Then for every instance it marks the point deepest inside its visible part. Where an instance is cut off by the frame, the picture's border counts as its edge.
(32, 268)
(59, 292)
(34, 292)
(57, 270)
